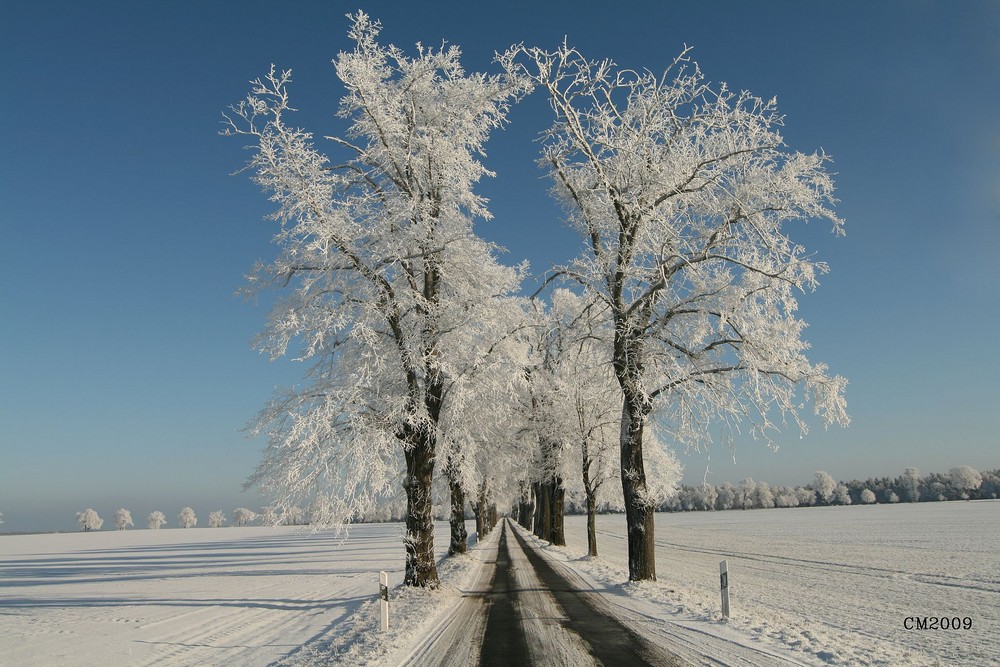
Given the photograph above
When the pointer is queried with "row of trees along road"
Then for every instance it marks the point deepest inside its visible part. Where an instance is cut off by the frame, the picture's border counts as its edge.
(424, 358)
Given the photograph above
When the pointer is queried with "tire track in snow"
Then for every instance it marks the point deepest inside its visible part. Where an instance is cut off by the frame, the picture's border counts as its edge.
(587, 615)
(455, 639)
(695, 642)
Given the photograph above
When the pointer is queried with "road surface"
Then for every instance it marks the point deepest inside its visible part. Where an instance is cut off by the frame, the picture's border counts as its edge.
(524, 609)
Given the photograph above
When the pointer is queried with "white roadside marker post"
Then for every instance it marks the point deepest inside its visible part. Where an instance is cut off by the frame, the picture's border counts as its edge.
(724, 579)
(383, 594)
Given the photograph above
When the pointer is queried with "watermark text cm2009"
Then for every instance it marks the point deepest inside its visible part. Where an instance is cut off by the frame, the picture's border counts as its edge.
(937, 623)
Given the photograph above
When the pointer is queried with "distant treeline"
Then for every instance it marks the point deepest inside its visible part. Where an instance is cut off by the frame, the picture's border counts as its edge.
(960, 483)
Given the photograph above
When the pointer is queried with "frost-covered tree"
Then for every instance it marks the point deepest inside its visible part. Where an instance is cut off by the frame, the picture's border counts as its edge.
(965, 479)
(243, 516)
(890, 496)
(764, 497)
(824, 486)
(479, 406)
(786, 497)
(123, 519)
(480, 409)
(805, 495)
(379, 255)
(216, 519)
(745, 494)
(187, 518)
(89, 520)
(155, 520)
(910, 484)
(682, 192)
(269, 515)
(574, 410)
(990, 488)
(707, 496)
(559, 417)
(293, 516)
(867, 496)
(727, 496)
(842, 495)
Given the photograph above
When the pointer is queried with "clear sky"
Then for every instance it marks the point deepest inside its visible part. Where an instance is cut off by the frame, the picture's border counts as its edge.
(126, 369)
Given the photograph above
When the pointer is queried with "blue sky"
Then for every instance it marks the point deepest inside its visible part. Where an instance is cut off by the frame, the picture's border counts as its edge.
(126, 369)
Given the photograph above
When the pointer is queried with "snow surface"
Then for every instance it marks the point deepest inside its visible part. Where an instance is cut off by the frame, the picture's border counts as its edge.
(201, 596)
(834, 584)
(813, 586)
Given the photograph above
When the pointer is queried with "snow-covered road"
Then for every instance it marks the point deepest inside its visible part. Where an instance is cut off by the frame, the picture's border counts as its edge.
(522, 609)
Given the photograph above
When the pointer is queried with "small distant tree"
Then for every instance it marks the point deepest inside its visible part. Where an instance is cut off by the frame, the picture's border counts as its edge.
(155, 520)
(187, 518)
(763, 496)
(786, 497)
(706, 496)
(123, 519)
(867, 496)
(842, 495)
(242, 516)
(890, 496)
(293, 516)
(727, 496)
(805, 496)
(269, 515)
(216, 519)
(910, 484)
(990, 488)
(965, 479)
(89, 520)
(824, 487)
(746, 494)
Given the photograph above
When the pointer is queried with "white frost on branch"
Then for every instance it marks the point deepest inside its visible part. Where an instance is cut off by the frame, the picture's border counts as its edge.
(386, 284)
(683, 192)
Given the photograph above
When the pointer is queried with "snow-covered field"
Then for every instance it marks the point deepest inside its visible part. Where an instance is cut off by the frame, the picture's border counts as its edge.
(817, 585)
(203, 596)
(835, 584)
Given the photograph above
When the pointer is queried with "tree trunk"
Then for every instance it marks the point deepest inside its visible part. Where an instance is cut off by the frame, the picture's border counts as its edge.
(591, 493)
(557, 513)
(459, 536)
(421, 570)
(526, 509)
(591, 524)
(543, 511)
(491, 516)
(477, 510)
(638, 512)
(482, 510)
